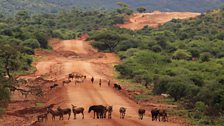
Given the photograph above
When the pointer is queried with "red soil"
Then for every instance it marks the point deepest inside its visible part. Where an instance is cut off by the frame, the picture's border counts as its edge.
(138, 20)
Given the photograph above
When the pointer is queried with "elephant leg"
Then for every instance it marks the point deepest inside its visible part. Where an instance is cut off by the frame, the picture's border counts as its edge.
(97, 115)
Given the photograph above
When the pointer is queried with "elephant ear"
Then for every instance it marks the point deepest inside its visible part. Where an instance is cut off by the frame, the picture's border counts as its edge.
(73, 106)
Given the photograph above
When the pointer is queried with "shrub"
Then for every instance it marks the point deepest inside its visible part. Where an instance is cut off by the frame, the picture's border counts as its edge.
(156, 48)
(205, 57)
(4, 96)
(182, 54)
(32, 43)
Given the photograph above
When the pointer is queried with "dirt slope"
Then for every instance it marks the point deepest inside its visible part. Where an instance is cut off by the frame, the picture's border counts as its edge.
(139, 20)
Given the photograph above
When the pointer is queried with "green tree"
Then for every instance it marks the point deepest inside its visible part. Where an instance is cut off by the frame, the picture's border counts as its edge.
(127, 44)
(22, 16)
(182, 54)
(32, 43)
(122, 4)
(141, 9)
(205, 57)
(42, 38)
(124, 8)
(177, 90)
(107, 40)
(9, 58)
(156, 48)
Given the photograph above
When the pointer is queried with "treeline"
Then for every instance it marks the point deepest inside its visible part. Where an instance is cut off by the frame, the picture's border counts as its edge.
(10, 7)
(182, 58)
(22, 33)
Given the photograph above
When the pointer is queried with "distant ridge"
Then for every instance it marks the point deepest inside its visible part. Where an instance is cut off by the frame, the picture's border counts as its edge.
(11, 6)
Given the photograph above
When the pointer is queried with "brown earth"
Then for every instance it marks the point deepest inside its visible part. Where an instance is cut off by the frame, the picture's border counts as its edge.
(78, 56)
(138, 20)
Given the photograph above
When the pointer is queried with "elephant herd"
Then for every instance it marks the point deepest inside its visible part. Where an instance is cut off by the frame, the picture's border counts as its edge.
(100, 112)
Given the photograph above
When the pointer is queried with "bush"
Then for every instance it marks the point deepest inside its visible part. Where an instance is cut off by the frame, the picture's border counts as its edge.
(161, 86)
(2, 110)
(126, 44)
(118, 20)
(200, 107)
(32, 43)
(177, 90)
(205, 57)
(182, 54)
(156, 48)
(42, 39)
(124, 71)
(4, 96)
(28, 50)
(195, 53)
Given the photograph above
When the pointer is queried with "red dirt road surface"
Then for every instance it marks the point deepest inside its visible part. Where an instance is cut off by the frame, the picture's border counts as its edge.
(99, 65)
(138, 20)
(78, 56)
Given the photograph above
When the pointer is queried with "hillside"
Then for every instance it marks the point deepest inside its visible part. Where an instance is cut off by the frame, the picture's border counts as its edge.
(164, 5)
(137, 21)
(183, 58)
(10, 6)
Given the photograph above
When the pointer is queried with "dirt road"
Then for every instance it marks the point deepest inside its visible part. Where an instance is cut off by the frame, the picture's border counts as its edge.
(138, 20)
(78, 56)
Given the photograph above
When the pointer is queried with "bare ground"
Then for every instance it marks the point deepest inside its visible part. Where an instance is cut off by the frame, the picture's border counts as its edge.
(138, 20)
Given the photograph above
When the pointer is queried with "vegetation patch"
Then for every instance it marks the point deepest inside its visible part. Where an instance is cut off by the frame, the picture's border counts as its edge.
(39, 104)
(2, 110)
(182, 58)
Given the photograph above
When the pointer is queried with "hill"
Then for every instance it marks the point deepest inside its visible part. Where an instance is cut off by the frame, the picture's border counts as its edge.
(164, 5)
(11, 6)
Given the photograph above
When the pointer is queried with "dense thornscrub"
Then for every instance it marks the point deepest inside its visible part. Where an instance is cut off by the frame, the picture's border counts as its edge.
(181, 58)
